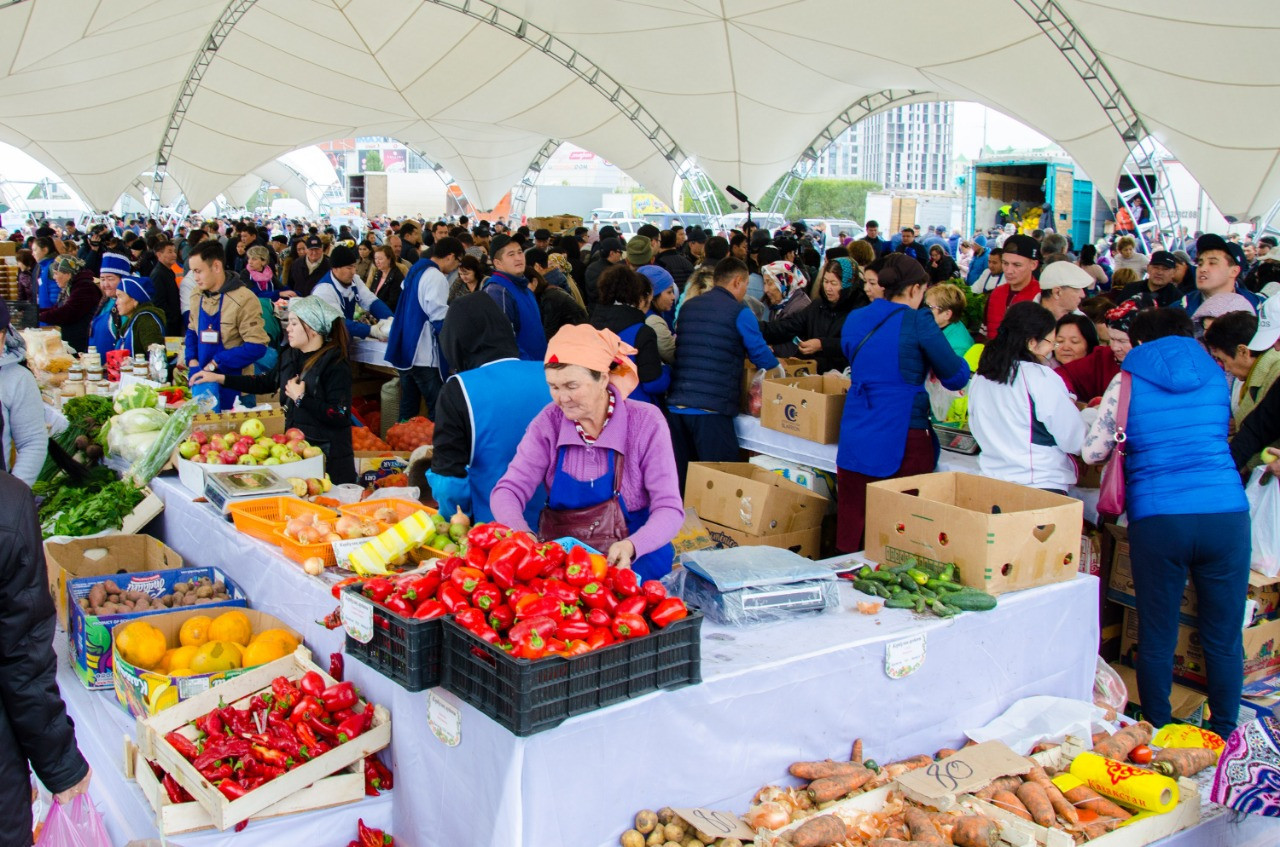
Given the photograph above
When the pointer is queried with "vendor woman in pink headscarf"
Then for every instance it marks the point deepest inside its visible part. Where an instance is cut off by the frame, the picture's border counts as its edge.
(606, 461)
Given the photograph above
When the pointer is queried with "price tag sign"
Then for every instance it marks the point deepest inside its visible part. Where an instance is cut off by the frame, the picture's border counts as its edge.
(444, 719)
(357, 617)
(966, 771)
(719, 824)
(342, 550)
(904, 656)
(191, 686)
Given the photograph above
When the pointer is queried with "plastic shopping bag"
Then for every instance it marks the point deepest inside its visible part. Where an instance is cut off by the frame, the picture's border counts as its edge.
(74, 825)
(1264, 514)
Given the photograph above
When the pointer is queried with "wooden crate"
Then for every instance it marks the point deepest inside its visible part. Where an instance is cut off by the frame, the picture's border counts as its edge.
(226, 813)
(346, 786)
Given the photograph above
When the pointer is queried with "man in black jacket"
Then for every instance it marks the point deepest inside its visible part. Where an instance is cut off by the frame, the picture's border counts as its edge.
(34, 728)
(670, 259)
(309, 268)
(165, 285)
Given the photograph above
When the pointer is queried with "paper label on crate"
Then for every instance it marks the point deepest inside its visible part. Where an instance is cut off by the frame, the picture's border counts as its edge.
(357, 617)
(444, 719)
(342, 550)
(190, 686)
(719, 824)
(966, 771)
(904, 656)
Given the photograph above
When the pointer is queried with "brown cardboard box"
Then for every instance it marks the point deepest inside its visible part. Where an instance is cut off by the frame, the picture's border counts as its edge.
(751, 500)
(1263, 590)
(1001, 536)
(1186, 704)
(804, 542)
(790, 367)
(1261, 658)
(109, 554)
(809, 407)
(372, 466)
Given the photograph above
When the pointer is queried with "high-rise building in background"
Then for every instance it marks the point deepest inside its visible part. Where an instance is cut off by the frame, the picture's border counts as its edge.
(908, 149)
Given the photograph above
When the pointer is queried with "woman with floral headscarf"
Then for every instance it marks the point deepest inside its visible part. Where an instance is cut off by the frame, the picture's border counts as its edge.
(784, 297)
(313, 376)
(819, 325)
(76, 301)
(606, 462)
(1087, 378)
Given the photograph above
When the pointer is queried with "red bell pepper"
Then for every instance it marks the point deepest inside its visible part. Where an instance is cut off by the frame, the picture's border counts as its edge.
(369, 837)
(573, 648)
(337, 666)
(599, 617)
(573, 630)
(422, 587)
(517, 549)
(501, 617)
(631, 606)
(284, 693)
(486, 596)
(630, 626)
(448, 565)
(429, 609)
(530, 646)
(624, 581)
(471, 620)
(600, 637)
(531, 606)
(552, 555)
(654, 592)
(340, 696)
(352, 727)
(477, 558)
(668, 612)
(543, 626)
(308, 707)
(398, 604)
(578, 570)
(562, 591)
(378, 589)
(575, 613)
(486, 536)
(336, 589)
(596, 596)
(557, 573)
(503, 573)
(467, 578)
(489, 635)
(453, 597)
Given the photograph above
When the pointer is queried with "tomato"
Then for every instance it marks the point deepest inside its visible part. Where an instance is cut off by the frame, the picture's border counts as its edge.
(1140, 755)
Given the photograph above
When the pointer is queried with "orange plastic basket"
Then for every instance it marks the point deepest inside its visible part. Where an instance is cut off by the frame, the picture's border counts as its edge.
(299, 552)
(263, 517)
(367, 509)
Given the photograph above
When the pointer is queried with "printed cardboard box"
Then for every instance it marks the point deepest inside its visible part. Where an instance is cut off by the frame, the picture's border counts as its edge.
(808, 407)
(790, 367)
(751, 500)
(1261, 658)
(372, 466)
(102, 556)
(804, 542)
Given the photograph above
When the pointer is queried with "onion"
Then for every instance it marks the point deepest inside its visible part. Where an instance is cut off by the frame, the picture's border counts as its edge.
(332, 537)
(309, 535)
(323, 527)
(386, 514)
(345, 524)
(369, 529)
(295, 527)
(767, 816)
(460, 518)
(314, 566)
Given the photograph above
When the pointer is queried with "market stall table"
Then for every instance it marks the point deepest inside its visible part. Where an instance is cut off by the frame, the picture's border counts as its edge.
(769, 695)
(371, 352)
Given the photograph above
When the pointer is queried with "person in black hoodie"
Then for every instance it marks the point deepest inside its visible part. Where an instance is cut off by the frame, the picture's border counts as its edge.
(35, 731)
(819, 325)
(622, 290)
(313, 376)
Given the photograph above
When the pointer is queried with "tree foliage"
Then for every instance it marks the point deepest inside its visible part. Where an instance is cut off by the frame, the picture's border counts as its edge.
(826, 198)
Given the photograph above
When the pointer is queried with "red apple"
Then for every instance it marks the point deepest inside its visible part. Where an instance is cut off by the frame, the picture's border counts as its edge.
(200, 438)
(240, 448)
(294, 434)
(297, 446)
(280, 438)
(205, 449)
(228, 457)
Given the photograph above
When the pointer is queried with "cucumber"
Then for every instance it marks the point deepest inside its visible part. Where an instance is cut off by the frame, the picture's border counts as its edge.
(918, 575)
(941, 609)
(865, 572)
(865, 586)
(926, 593)
(883, 576)
(943, 585)
(907, 582)
(882, 590)
(971, 600)
(900, 601)
(920, 605)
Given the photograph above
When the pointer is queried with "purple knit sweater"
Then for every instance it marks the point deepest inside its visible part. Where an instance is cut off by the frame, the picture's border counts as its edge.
(637, 431)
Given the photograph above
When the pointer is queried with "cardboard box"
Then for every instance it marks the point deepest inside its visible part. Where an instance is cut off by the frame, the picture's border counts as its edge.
(1186, 704)
(818, 481)
(372, 466)
(804, 542)
(1001, 536)
(191, 474)
(790, 367)
(1263, 591)
(751, 500)
(142, 692)
(102, 556)
(1261, 658)
(90, 635)
(808, 407)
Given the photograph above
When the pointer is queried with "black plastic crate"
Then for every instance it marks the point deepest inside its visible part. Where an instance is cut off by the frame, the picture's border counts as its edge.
(404, 650)
(528, 697)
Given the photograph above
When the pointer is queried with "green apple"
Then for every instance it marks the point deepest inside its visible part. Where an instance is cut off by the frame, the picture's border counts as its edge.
(259, 452)
(272, 460)
(252, 428)
(265, 441)
(188, 449)
(246, 459)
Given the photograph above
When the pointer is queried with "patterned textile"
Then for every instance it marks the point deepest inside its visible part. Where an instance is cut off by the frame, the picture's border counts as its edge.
(1248, 775)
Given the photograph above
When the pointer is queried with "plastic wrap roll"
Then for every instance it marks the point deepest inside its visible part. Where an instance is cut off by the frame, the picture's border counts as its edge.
(1134, 787)
(374, 555)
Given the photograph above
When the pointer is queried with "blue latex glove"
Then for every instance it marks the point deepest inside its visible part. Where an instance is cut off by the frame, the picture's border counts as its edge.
(450, 493)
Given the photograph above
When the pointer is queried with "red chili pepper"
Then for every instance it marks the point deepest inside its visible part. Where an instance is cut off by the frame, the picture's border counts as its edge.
(596, 596)
(501, 618)
(336, 590)
(453, 597)
(311, 684)
(429, 609)
(307, 738)
(471, 620)
(630, 626)
(397, 604)
(486, 536)
(544, 626)
(211, 724)
(218, 770)
(231, 789)
(562, 591)
(631, 606)
(600, 637)
(322, 729)
(177, 794)
(382, 774)
(654, 592)
(370, 837)
(625, 581)
(333, 620)
(340, 696)
(599, 617)
(351, 727)
(268, 756)
(468, 579)
(573, 630)
(308, 707)
(284, 693)
(668, 612)
(185, 747)
(486, 596)
(378, 589)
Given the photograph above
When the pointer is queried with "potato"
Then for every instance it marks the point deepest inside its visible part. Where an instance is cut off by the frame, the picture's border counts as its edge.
(204, 591)
(656, 838)
(666, 815)
(672, 844)
(693, 841)
(167, 600)
(703, 837)
(631, 838)
(142, 605)
(729, 842)
(97, 595)
(113, 596)
(646, 820)
(220, 587)
(674, 831)
(111, 587)
(188, 599)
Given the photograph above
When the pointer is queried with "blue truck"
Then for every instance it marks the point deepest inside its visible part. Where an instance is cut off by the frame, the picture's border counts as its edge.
(1033, 192)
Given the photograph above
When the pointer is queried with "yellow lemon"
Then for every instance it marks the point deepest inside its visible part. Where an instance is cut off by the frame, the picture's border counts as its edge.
(284, 636)
(147, 648)
(128, 634)
(231, 626)
(215, 656)
(180, 657)
(195, 631)
(263, 651)
(168, 658)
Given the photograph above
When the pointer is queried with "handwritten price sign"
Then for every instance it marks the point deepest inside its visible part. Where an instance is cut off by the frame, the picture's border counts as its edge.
(719, 824)
(969, 770)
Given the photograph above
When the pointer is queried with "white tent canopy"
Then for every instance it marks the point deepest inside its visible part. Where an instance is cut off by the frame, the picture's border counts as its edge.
(213, 92)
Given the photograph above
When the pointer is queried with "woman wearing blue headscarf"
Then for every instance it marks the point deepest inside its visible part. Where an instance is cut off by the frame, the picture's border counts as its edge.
(136, 322)
(818, 325)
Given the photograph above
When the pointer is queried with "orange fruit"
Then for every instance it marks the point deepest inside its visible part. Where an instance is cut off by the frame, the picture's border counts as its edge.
(195, 631)
(181, 672)
(215, 656)
(180, 658)
(231, 626)
(262, 651)
(147, 648)
(128, 634)
(166, 661)
(287, 639)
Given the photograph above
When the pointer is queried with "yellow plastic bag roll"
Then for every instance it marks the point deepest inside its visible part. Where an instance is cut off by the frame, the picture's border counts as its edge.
(1185, 735)
(374, 555)
(1133, 787)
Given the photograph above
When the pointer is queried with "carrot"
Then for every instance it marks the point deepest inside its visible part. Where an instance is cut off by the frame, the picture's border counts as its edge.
(1183, 761)
(1034, 797)
(896, 830)
(889, 842)
(1004, 783)
(975, 831)
(1010, 803)
(898, 768)
(820, 831)
(856, 755)
(1060, 804)
(944, 753)
(1097, 829)
(1099, 737)
(835, 787)
(824, 770)
(921, 827)
(1118, 746)
(1086, 798)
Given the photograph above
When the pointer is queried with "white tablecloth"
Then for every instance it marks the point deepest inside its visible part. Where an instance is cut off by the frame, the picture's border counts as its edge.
(752, 436)
(370, 351)
(771, 695)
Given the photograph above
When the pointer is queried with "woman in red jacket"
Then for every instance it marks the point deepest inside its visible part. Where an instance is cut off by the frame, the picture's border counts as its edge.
(1089, 377)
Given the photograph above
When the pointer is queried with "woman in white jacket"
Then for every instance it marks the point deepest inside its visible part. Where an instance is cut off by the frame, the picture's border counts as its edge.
(1019, 409)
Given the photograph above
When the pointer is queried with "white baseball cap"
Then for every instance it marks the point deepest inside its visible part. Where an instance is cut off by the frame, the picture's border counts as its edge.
(1268, 325)
(1065, 274)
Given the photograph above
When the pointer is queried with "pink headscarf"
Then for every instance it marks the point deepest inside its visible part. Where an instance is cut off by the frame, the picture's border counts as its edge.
(598, 350)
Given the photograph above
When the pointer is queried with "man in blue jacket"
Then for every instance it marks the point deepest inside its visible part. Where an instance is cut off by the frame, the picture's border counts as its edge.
(714, 333)
(913, 248)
